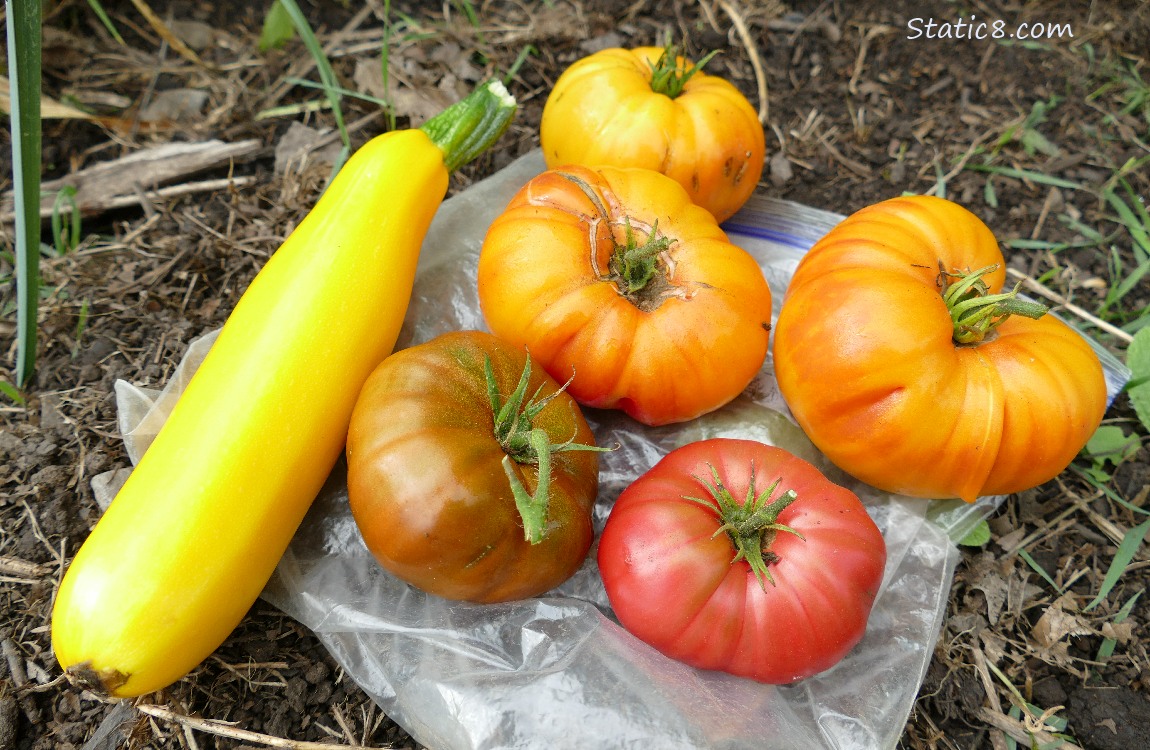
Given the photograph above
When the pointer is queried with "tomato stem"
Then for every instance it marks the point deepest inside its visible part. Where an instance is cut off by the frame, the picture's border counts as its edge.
(750, 525)
(668, 76)
(469, 127)
(634, 265)
(974, 311)
(641, 273)
(523, 443)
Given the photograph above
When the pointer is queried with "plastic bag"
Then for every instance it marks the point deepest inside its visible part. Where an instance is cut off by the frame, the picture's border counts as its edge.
(557, 670)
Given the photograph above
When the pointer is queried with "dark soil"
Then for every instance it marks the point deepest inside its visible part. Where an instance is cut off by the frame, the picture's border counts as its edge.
(857, 113)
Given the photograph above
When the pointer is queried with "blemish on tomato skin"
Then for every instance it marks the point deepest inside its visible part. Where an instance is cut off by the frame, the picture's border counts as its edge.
(742, 168)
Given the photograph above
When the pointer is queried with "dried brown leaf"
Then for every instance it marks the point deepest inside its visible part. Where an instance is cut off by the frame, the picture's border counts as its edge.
(50, 109)
(1057, 623)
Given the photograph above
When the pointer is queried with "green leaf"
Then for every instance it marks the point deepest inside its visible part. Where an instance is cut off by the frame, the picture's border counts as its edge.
(1110, 443)
(278, 28)
(977, 536)
(989, 195)
(1033, 141)
(1138, 360)
(12, 392)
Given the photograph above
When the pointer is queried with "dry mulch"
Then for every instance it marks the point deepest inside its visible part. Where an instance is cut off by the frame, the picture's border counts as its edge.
(855, 113)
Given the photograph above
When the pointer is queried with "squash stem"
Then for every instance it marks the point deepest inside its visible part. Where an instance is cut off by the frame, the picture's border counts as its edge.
(469, 127)
(750, 525)
(974, 311)
(523, 443)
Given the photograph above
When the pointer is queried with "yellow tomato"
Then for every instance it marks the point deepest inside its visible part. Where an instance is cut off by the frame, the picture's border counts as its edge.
(646, 108)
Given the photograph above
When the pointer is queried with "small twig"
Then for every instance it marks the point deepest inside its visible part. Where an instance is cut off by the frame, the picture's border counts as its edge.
(39, 534)
(1044, 212)
(860, 59)
(224, 729)
(1080, 503)
(961, 164)
(14, 566)
(15, 663)
(753, 54)
(857, 167)
(167, 35)
(996, 738)
(342, 721)
(1020, 732)
(1034, 286)
(187, 188)
(709, 12)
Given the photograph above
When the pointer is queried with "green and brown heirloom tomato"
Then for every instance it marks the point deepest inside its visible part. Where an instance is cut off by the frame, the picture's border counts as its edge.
(738, 556)
(471, 473)
(649, 108)
(615, 274)
(904, 362)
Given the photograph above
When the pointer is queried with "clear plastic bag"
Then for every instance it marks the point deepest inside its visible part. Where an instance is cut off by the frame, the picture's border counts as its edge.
(557, 670)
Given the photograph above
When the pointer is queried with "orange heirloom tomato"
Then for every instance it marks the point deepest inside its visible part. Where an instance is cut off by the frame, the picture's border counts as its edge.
(615, 275)
(647, 108)
(906, 365)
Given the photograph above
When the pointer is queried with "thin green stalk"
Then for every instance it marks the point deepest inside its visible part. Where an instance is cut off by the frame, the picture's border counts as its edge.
(24, 49)
(98, 9)
(527, 51)
(65, 221)
(326, 74)
(385, 63)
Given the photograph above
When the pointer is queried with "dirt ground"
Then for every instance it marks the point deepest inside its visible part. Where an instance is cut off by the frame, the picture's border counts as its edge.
(855, 112)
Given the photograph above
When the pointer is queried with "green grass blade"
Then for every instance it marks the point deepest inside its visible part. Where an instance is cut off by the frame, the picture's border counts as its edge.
(521, 58)
(1137, 229)
(1039, 569)
(24, 49)
(102, 14)
(1126, 551)
(469, 11)
(1022, 243)
(1107, 491)
(81, 326)
(305, 83)
(1125, 286)
(385, 64)
(1025, 174)
(65, 221)
(12, 393)
(326, 73)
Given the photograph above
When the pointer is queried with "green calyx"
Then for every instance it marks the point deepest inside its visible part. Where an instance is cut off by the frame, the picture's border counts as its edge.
(634, 265)
(638, 270)
(668, 77)
(469, 127)
(524, 443)
(974, 311)
(750, 525)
